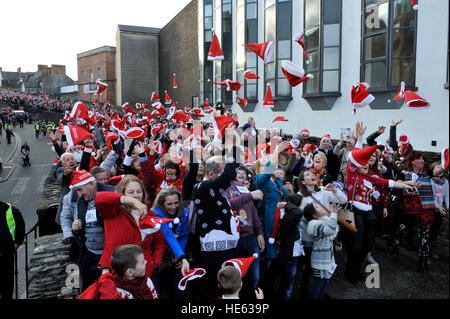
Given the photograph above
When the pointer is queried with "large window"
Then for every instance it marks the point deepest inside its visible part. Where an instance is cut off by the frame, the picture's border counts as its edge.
(322, 25)
(388, 44)
(278, 28)
(227, 48)
(207, 65)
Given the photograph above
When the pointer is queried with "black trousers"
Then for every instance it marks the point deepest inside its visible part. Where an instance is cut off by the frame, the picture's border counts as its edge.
(6, 275)
(88, 263)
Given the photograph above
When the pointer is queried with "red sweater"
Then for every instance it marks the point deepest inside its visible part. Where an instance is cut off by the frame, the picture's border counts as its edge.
(121, 229)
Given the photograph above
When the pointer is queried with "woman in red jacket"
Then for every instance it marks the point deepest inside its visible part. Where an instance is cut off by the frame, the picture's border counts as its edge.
(121, 211)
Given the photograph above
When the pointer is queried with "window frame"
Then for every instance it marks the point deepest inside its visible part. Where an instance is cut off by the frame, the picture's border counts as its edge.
(246, 3)
(207, 93)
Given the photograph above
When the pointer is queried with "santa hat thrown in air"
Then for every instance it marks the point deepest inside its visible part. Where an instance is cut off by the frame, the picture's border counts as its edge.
(215, 52)
(263, 50)
(400, 93)
(76, 134)
(309, 150)
(242, 102)
(207, 108)
(175, 81)
(416, 102)
(444, 158)
(414, 4)
(101, 86)
(250, 75)
(220, 123)
(127, 107)
(155, 222)
(115, 180)
(96, 100)
(293, 73)
(80, 178)
(191, 275)
(300, 40)
(198, 111)
(360, 97)
(360, 156)
(280, 118)
(388, 149)
(134, 133)
(111, 139)
(154, 96)
(268, 100)
(231, 86)
(279, 214)
(80, 111)
(168, 100)
(242, 264)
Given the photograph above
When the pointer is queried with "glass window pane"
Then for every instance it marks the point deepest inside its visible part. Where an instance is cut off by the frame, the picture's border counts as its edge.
(312, 85)
(402, 70)
(252, 31)
(331, 58)
(208, 36)
(251, 91)
(375, 74)
(403, 43)
(370, 2)
(331, 35)
(208, 22)
(252, 59)
(252, 12)
(283, 87)
(330, 81)
(208, 10)
(404, 15)
(376, 18)
(270, 27)
(269, 70)
(312, 37)
(331, 11)
(284, 49)
(284, 18)
(312, 13)
(375, 47)
(269, 3)
(314, 60)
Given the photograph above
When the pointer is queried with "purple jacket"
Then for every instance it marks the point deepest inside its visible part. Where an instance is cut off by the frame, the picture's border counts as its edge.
(243, 205)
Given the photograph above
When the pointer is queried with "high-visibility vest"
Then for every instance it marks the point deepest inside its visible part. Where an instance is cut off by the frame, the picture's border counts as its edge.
(12, 223)
(36, 126)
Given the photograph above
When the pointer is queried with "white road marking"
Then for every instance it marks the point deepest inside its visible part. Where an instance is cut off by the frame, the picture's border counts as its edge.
(20, 186)
(41, 184)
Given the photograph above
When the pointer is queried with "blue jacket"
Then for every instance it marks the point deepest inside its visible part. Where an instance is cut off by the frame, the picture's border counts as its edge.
(177, 242)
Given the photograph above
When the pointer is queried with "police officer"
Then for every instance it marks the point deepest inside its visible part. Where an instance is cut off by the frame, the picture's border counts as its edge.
(12, 233)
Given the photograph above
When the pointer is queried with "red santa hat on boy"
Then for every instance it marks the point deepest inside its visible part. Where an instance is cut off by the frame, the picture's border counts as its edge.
(191, 275)
(264, 50)
(215, 52)
(80, 178)
(444, 158)
(250, 75)
(300, 40)
(360, 97)
(242, 264)
(360, 156)
(268, 100)
(294, 73)
(76, 134)
(304, 132)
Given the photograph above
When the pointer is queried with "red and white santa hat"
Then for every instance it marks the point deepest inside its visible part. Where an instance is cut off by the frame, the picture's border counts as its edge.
(400, 93)
(294, 73)
(156, 128)
(388, 149)
(133, 133)
(154, 96)
(111, 139)
(326, 137)
(197, 111)
(80, 178)
(115, 179)
(127, 107)
(309, 150)
(268, 100)
(280, 118)
(279, 214)
(80, 111)
(101, 86)
(231, 86)
(360, 97)
(299, 38)
(263, 50)
(138, 105)
(167, 99)
(207, 108)
(149, 221)
(220, 123)
(242, 102)
(155, 113)
(175, 81)
(242, 264)
(416, 102)
(76, 134)
(250, 75)
(403, 138)
(444, 158)
(360, 156)
(159, 107)
(191, 275)
(215, 52)
(304, 132)
(414, 4)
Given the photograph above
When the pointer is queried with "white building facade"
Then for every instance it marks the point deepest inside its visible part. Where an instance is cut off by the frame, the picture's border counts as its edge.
(381, 42)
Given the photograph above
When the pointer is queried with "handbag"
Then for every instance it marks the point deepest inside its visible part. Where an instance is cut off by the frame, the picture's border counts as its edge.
(347, 213)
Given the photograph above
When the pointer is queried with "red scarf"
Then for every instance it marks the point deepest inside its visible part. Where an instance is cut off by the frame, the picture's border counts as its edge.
(137, 287)
(403, 149)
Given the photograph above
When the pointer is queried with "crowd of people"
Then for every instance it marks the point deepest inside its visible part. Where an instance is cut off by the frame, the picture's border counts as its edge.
(147, 202)
(41, 102)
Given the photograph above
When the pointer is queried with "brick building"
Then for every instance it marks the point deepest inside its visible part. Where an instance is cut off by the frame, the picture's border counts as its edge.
(99, 63)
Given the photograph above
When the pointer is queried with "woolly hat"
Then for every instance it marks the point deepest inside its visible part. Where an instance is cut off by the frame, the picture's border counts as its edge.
(242, 264)
(300, 40)
(280, 118)
(250, 75)
(400, 93)
(80, 178)
(360, 156)
(215, 52)
(242, 102)
(101, 86)
(127, 107)
(279, 214)
(268, 100)
(76, 134)
(168, 100)
(191, 275)
(293, 73)
(444, 158)
(175, 81)
(154, 96)
(360, 97)
(263, 50)
(415, 101)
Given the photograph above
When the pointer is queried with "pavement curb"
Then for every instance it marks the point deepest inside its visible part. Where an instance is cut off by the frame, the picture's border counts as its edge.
(15, 147)
(9, 174)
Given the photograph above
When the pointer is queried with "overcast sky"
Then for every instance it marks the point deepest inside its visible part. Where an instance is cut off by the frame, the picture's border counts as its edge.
(50, 32)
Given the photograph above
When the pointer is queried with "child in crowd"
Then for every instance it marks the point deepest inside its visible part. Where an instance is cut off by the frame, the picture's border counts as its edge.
(230, 283)
(323, 228)
(128, 281)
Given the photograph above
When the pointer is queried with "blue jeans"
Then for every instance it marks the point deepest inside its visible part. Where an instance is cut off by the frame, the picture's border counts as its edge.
(246, 248)
(288, 272)
(319, 288)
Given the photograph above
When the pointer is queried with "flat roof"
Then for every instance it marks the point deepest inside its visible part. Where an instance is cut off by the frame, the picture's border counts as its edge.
(137, 29)
(105, 48)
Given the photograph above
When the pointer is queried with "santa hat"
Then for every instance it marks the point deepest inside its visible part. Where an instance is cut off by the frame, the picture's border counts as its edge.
(155, 129)
(279, 213)
(159, 107)
(179, 116)
(360, 97)
(242, 102)
(96, 100)
(138, 105)
(444, 158)
(300, 40)
(215, 52)
(231, 86)
(360, 156)
(127, 107)
(101, 86)
(154, 96)
(263, 50)
(388, 149)
(191, 275)
(326, 137)
(207, 108)
(115, 179)
(60, 128)
(168, 100)
(76, 134)
(400, 93)
(403, 138)
(309, 150)
(110, 139)
(268, 100)
(175, 81)
(198, 111)
(414, 4)
(280, 118)
(304, 132)
(242, 264)
(134, 133)
(250, 75)
(149, 221)
(415, 101)
(220, 123)
(80, 178)
(294, 73)
(80, 111)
